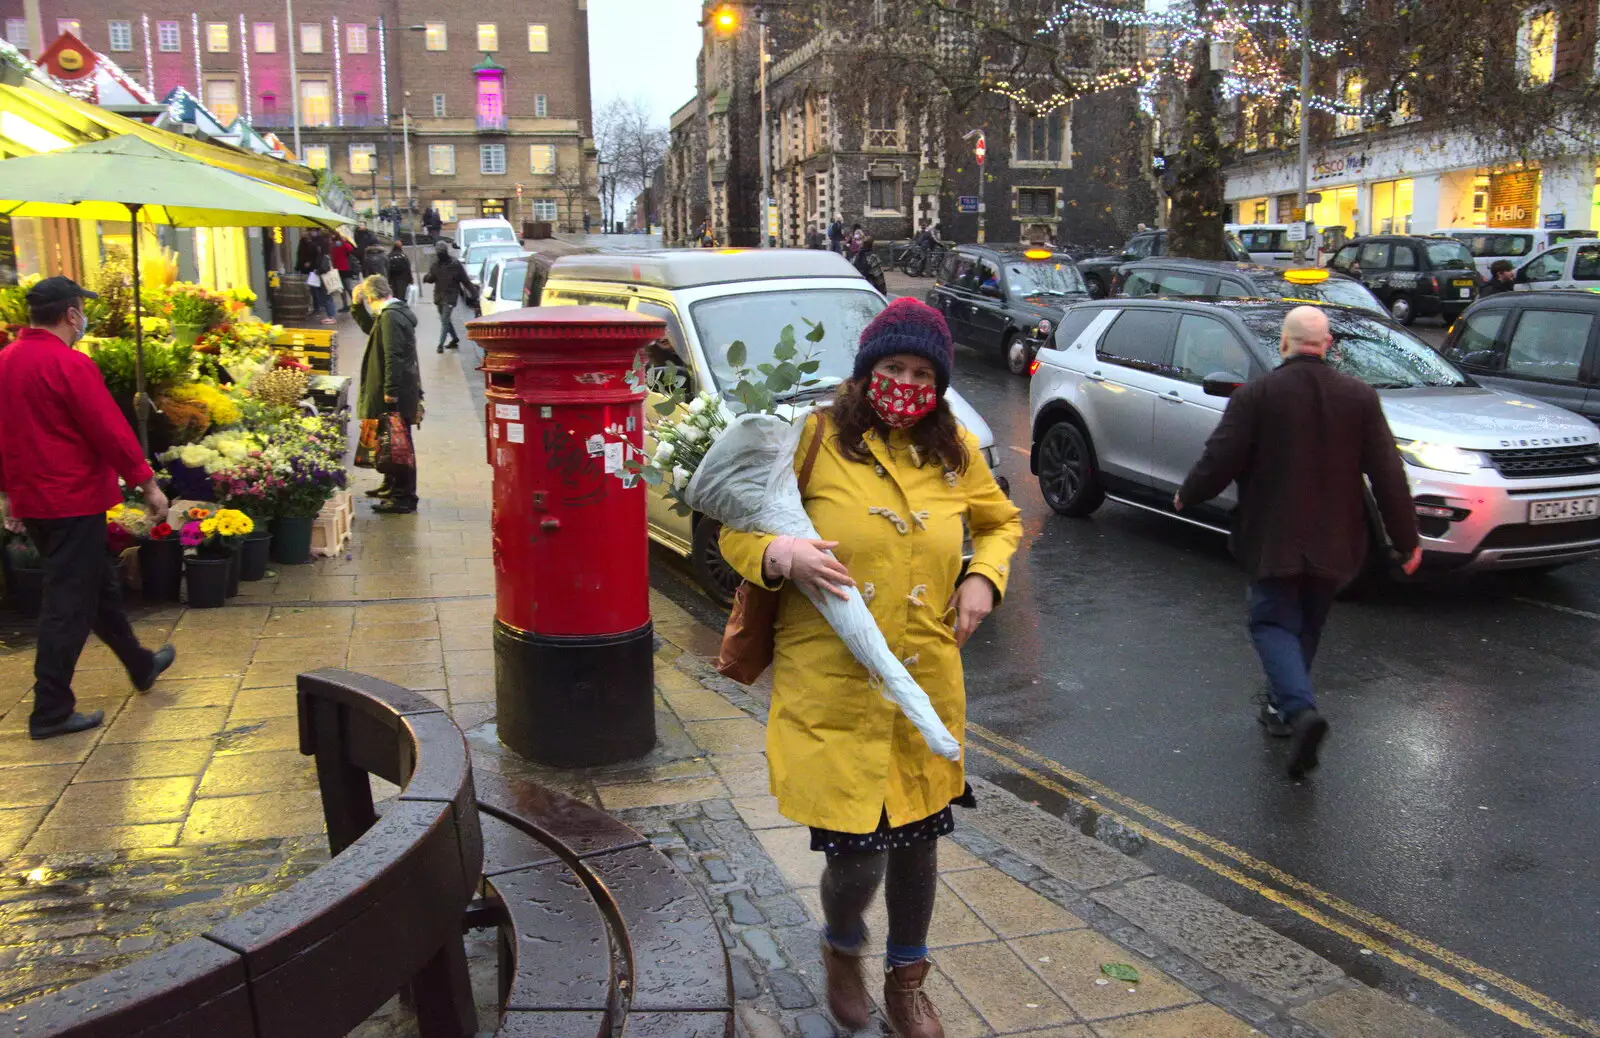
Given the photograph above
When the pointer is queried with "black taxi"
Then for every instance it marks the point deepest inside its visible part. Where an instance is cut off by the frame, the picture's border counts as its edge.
(1412, 275)
(1000, 299)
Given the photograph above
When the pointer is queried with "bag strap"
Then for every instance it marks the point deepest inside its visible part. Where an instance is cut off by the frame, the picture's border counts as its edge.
(811, 453)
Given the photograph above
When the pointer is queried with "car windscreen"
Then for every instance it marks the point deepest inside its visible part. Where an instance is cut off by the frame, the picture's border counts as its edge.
(1334, 290)
(1044, 278)
(476, 254)
(757, 318)
(494, 232)
(1572, 235)
(1382, 356)
(516, 272)
(1449, 255)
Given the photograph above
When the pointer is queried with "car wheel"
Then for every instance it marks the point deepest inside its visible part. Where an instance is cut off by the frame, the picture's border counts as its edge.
(912, 264)
(719, 579)
(1016, 352)
(1097, 287)
(1066, 471)
(1401, 309)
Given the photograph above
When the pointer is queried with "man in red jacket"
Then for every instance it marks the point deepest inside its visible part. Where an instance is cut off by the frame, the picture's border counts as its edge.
(63, 445)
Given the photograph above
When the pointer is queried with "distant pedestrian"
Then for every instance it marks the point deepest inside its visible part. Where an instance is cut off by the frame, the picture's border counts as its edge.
(585, 223)
(397, 268)
(836, 235)
(63, 445)
(450, 286)
(1298, 442)
(391, 381)
(870, 266)
(853, 243)
(431, 222)
(1502, 278)
(343, 255)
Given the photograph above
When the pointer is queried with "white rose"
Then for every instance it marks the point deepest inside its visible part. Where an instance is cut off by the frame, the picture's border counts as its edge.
(680, 476)
(697, 405)
(689, 434)
(663, 452)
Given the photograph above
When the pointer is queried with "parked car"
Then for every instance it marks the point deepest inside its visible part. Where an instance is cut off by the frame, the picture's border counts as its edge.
(999, 298)
(1126, 396)
(502, 282)
(1544, 345)
(480, 252)
(1511, 244)
(1267, 243)
(1412, 275)
(711, 298)
(1097, 271)
(1172, 276)
(493, 228)
(1572, 264)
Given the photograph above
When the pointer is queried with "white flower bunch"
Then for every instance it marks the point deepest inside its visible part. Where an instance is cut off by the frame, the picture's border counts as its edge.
(683, 436)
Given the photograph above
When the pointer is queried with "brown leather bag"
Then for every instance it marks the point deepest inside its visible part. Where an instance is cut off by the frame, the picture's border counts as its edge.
(749, 640)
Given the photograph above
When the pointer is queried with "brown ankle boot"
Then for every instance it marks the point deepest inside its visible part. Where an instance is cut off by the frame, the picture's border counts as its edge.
(847, 988)
(910, 1013)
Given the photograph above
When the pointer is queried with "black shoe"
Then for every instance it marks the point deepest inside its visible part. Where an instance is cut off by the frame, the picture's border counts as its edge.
(76, 723)
(1309, 729)
(160, 660)
(1274, 723)
(378, 492)
(439, 350)
(454, 344)
(389, 506)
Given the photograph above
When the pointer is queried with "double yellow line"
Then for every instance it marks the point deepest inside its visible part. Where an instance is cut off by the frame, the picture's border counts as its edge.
(1296, 895)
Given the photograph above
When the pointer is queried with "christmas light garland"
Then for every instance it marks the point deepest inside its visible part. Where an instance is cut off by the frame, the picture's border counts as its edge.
(338, 76)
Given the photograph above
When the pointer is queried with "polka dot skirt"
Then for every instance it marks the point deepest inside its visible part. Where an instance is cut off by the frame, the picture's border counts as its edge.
(885, 837)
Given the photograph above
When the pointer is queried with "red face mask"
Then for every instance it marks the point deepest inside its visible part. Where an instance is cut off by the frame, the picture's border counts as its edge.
(901, 404)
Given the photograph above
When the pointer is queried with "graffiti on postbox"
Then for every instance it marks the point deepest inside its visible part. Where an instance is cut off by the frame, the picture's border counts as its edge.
(580, 477)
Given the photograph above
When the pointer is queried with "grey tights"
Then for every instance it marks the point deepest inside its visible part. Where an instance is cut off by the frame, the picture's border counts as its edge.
(850, 881)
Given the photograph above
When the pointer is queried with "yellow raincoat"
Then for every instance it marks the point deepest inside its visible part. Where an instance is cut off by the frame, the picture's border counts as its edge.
(840, 753)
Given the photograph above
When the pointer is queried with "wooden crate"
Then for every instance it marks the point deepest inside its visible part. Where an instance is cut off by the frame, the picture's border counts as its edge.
(317, 348)
(332, 527)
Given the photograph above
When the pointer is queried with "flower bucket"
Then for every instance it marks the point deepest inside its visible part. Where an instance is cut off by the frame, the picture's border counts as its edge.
(253, 559)
(208, 581)
(187, 334)
(233, 571)
(291, 539)
(161, 569)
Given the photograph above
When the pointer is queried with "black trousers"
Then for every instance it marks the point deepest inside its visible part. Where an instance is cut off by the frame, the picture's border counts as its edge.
(403, 486)
(81, 594)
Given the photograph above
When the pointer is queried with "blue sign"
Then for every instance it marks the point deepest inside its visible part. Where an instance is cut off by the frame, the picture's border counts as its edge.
(967, 204)
(1555, 221)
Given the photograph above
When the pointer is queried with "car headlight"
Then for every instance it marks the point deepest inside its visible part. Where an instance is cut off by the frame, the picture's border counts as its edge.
(1442, 457)
(1044, 329)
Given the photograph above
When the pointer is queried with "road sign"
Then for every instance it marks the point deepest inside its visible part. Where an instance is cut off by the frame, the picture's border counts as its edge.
(967, 204)
(981, 149)
(1555, 221)
(1297, 231)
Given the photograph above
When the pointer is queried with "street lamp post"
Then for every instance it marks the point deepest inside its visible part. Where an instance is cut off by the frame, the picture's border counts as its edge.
(603, 170)
(1303, 249)
(725, 19)
(979, 151)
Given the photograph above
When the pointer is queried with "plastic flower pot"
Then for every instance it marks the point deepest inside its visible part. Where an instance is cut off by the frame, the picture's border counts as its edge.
(208, 581)
(161, 568)
(187, 334)
(253, 559)
(291, 539)
(233, 570)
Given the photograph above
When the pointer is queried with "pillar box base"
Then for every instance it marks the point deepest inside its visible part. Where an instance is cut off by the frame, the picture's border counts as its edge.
(576, 702)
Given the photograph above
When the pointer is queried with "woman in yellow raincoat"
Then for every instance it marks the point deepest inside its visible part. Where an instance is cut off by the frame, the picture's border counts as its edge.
(892, 483)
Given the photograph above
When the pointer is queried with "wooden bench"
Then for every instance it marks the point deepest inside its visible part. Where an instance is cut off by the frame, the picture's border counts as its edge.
(598, 933)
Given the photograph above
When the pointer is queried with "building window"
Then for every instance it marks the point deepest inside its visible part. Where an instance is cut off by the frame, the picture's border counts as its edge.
(541, 106)
(883, 194)
(120, 35)
(545, 211)
(435, 38)
(446, 208)
(311, 38)
(363, 158)
(1536, 46)
(222, 97)
(1391, 207)
(491, 158)
(217, 37)
(442, 159)
(1036, 203)
(355, 39)
(1351, 85)
(66, 25)
(168, 37)
(491, 103)
(316, 156)
(542, 158)
(17, 32)
(266, 38)
(269, 109)
(883, 123)
(538, 39)
(361, 111)
(438, 106)
(1042, 139)
(316, 108)
(488, 36)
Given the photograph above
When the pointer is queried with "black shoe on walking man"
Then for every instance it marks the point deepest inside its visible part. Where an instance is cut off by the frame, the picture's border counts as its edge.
(1298, 441)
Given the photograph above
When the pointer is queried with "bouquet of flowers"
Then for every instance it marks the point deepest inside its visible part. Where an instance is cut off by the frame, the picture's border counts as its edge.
(126, 526)
(216, 532)
(196, 307)
(310, 476)
(250, 486)
(281, 385)
(682, 440)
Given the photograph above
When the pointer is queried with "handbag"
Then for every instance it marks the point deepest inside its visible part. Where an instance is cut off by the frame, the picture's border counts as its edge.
(313, 279)
(749, 640)
(367, 444)
(395, 451)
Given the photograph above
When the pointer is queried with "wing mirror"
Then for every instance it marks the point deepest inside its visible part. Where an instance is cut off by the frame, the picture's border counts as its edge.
(1221, 383)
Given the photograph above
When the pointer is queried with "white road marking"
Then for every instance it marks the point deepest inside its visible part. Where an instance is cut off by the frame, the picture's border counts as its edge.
(1558, 608)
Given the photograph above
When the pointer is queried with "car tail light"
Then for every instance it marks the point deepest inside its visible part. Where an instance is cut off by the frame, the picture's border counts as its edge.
(1033, 368)
(1433, 285)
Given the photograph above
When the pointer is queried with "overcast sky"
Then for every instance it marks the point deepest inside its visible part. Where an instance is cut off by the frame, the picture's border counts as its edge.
(644, 49)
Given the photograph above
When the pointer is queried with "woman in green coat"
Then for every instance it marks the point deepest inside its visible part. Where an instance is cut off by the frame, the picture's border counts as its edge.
(391, 380)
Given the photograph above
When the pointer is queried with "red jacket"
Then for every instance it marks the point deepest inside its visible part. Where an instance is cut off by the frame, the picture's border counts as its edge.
(340, 254)
(63, 440)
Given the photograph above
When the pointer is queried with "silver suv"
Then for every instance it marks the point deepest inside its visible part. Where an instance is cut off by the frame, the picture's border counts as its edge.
(1129, 390)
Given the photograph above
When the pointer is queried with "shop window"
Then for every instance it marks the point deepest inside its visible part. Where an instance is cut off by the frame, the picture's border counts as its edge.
(316, 108)
(311, 38)
(169, 38)
(217, 37)
(355, 39)
(316, 156)
(438, 106)
(1536, 46)
(488, 36)
(442, 159)
(541, 106)
(434, 36)
(222, 98)
(120, 34)
(446, 209)
(1036, 203)
(1043, 139)
(363, 158)
(883, 194)
(66, 25)
(1391, 207)
(544, 210)
(491, 158)
(1351, 86)
(542, 159)
(539, 41)
(266, 37)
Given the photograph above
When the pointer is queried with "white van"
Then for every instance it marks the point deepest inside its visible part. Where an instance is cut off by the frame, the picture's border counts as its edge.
(493, 228)
(1508, 243)
(1267, 243)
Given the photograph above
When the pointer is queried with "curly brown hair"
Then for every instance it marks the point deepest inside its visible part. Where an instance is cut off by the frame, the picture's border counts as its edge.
(937, 436)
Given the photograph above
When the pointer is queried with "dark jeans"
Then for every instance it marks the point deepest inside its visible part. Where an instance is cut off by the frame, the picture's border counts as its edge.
(1286, 618)
(321, 300)
(447, 323)
(81, 594)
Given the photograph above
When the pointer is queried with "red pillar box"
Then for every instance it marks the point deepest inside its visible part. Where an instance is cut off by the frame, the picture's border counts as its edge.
(573, 646)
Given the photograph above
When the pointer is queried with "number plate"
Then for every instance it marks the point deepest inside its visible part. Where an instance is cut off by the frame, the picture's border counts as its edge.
(1564, 510)
(1462, 283)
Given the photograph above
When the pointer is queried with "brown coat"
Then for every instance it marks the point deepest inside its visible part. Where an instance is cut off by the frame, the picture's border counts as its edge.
(1298, 442)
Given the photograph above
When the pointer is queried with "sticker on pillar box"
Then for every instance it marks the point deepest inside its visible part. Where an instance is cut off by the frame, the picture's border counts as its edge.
(514, 432)
(613, 458)
(545, 412)
(513, 412)
(628, 480)
(630, 423)
(595, 445)
(494, 430)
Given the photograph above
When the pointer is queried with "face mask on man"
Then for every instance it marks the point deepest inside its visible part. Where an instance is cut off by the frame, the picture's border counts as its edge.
(79, 323)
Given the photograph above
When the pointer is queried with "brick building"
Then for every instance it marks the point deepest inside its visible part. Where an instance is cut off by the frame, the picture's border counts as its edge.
(496, 101)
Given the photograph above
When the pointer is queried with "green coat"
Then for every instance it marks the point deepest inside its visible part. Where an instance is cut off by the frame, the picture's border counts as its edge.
(389, 367)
